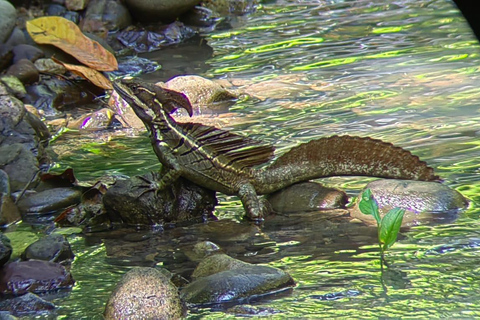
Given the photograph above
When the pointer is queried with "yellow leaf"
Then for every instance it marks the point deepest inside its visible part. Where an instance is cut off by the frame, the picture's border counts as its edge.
(65, 35)
(91, 75)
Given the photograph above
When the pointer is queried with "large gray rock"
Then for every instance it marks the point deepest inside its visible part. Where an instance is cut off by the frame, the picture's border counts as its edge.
(144, 293)
(137, 202)
(221, 279)
(159, 10)
(8, 17)
(53, 247)
(423, 201)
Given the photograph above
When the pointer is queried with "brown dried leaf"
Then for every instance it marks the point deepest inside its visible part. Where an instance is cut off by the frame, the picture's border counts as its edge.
(87, 73)
(65, 35)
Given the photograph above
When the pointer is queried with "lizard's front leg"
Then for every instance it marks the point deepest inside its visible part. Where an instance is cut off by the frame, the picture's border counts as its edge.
(254, 207)
(171, 169)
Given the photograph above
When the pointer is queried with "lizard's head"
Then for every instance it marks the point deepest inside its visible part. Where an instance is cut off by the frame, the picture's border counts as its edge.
(149, 100)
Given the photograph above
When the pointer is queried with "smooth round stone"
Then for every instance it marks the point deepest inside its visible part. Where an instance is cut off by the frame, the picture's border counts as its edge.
(8, 17)
(221, 279)
(49, 200)
(159, 10)
(24, 70)
(144, 293)
(423, 201)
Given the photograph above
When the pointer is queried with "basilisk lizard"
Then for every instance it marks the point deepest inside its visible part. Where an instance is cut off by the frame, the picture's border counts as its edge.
(229, 163)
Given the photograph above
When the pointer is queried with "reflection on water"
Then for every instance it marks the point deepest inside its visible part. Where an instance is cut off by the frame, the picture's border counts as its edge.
(404, 71)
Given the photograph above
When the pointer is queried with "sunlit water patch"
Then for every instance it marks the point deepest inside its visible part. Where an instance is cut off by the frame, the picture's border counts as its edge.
(404, 71)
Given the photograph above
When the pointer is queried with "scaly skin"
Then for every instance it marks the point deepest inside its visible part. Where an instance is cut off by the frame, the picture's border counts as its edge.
(225, 162)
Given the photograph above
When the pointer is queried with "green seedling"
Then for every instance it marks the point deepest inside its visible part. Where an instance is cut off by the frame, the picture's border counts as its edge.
(388, 226)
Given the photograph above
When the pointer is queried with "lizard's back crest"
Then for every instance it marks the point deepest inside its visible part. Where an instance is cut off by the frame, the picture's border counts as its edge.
(228, 148)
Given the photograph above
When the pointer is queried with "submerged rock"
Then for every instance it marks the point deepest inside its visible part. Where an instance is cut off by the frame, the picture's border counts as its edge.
(423, 201)
(144, 293)
(307, 196)
(34, 276)
(221, 279)
(136, 201)
(53, 248)
(25, 305)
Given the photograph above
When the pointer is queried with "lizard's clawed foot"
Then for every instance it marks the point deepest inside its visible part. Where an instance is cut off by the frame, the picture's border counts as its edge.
(259, 214)
(152, 185)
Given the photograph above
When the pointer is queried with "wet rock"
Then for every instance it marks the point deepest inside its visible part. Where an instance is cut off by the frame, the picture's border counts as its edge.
(205, 248)
(72, 16)
(105, 15)
(49, 200)
(144, 293)
(216, 263)
(134, 201)
(9, 212)
(11, 109)
(206, 96)
(14, 86)
(54, 248)
(55, 10)
(25, 71)
(8, 17)
(159, 10)
(201, 17)
(25, 305)
(17, 37)
(423, 201)
(224, 279)
(20, 164)
(6, 56)
(22, 142)
(34, 276)
(5, 249)
(76, 5)
(307, 196)
(146, 40)
(227, 7)
(49, 66)
(28, 52)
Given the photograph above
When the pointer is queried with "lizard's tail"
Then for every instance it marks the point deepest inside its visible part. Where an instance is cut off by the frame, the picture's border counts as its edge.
(345, 156)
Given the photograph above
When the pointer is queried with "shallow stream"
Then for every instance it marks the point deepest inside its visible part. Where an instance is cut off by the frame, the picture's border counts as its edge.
(407, 72)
